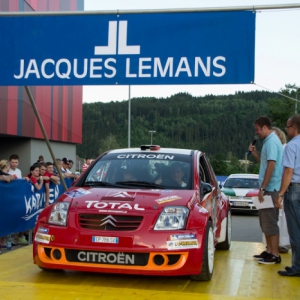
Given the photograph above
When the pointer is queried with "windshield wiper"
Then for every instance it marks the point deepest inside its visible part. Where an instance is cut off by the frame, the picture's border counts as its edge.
(142, 183)
(100, 183)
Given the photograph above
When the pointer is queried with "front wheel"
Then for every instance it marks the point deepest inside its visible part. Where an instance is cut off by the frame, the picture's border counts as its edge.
(208, 256)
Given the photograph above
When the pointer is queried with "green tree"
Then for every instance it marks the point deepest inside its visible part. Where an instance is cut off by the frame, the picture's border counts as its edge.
(219, 165)
(108, 143)
(281, 109)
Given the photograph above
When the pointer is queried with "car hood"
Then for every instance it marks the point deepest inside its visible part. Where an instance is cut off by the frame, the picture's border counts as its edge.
(235, 191)
(124, 200)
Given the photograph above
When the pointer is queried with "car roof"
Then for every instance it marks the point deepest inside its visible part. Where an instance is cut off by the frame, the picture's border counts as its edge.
(161, 150)
(243, 176)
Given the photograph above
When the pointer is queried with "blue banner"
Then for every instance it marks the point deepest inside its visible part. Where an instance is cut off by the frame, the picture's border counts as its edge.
(128, 49)
(21, 204)
(221, 179)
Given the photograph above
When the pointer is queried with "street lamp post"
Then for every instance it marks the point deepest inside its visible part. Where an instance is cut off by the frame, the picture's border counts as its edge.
(129, 116)
(296, 104)
(151, 132)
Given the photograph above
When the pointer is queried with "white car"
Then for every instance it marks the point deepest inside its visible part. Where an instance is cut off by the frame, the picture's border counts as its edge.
(240, 188)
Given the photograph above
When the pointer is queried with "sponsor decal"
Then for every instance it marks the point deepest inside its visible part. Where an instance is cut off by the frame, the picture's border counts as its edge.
(43, 230)
(103, 257)
(182, 244)
(168, 199)
(105, 239)
(77, 193)
(113, 211)
(42, 238)
(112, 206)
(174, 237)
(148, 156)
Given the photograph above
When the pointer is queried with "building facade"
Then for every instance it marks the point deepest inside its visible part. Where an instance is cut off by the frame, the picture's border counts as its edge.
(60, 107)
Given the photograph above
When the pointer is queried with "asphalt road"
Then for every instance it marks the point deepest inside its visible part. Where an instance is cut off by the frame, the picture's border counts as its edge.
(245, 227)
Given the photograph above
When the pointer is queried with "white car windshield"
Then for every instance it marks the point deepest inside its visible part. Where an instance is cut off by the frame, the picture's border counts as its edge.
(243, 183)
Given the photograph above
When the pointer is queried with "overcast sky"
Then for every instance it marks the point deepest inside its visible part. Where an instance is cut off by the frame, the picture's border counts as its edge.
(277, 50)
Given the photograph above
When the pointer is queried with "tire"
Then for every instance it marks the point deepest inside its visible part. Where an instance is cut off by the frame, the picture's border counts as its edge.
(226, 244)
(208, 256)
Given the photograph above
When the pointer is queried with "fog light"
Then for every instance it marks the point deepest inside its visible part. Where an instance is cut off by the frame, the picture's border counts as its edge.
(57, 254)
(158, 259)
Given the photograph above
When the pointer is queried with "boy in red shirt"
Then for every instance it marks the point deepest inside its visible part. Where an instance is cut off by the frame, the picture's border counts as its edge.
(46, 171)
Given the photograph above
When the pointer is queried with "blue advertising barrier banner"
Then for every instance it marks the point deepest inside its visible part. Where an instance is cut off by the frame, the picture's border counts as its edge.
(128, 49)
(21, 204)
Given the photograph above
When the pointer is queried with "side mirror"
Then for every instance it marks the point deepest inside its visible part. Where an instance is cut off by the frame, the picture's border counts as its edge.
(205, 188)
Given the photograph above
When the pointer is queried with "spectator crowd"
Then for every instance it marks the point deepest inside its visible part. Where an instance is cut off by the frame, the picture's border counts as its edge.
(40, 175)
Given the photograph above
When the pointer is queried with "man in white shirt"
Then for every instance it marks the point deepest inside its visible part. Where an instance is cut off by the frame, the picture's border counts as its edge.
(18, 239)
(14, 162)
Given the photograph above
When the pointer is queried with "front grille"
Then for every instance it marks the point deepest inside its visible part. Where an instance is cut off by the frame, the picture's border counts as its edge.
(109, 222)
(110, 258)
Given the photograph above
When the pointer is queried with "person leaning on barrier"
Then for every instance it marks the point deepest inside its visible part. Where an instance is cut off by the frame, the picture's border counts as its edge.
(4, 176)
(4, 169)
(14, 163)
(47, 177)
(49, 172)
(35, 177)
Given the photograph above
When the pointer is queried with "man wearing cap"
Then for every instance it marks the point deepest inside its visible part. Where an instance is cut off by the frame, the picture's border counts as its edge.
(65, 170)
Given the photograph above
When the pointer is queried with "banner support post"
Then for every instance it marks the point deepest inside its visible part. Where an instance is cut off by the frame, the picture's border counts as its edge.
(45, 136)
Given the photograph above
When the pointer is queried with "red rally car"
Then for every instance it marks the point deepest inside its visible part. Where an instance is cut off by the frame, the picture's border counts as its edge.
(147, 210)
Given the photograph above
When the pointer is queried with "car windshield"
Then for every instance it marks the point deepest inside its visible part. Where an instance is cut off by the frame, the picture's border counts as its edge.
(243, 183)
(141, 170)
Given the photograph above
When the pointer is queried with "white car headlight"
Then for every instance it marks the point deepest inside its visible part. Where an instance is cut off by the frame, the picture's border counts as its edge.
(172, 218)
(59, 214)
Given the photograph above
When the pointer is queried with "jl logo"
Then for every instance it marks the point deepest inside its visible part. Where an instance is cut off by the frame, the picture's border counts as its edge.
(112, 47)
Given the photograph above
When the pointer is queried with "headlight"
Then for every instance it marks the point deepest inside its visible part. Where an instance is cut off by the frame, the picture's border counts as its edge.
(172, 218)
(59, 214)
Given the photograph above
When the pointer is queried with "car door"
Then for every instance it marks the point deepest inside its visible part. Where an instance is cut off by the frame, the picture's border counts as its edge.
(208, 190)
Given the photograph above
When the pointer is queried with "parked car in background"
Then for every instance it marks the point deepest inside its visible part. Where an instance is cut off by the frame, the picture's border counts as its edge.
(146, 211)
(240, 188)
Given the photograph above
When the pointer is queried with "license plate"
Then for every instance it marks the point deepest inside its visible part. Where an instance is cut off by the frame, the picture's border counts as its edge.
(240, 203)
(105, 239)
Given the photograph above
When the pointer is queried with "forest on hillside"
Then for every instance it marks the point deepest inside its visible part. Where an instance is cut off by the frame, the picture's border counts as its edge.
(213, 124)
